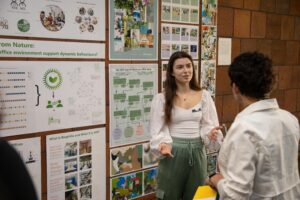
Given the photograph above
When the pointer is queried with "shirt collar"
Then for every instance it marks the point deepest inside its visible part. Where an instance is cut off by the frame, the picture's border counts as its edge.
(259, 106)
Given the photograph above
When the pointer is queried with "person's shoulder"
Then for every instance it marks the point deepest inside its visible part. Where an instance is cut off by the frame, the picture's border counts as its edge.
(159, 97)
(205, 94)
(289, 116)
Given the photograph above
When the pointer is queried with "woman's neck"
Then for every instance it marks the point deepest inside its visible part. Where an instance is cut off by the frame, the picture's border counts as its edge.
(183, 89)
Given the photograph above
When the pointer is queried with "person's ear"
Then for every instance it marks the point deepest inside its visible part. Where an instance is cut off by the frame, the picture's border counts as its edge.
(235, 89)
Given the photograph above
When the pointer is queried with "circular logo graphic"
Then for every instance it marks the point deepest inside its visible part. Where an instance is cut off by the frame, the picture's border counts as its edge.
(23, 25)
(52, 18)
(52, 79)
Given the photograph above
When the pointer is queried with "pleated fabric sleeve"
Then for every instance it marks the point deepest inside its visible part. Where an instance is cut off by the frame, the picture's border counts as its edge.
(210, 118)
(158, 129)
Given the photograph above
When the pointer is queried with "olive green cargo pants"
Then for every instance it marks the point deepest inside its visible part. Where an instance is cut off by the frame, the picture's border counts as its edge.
(179, 177)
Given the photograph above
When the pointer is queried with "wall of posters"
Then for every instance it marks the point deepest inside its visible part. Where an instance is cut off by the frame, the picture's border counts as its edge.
(185, 11)
(131, 89)
(133, 30)
(30, 152)
(179, 38)
(76, 165)
(41, 96)
(50, 49)
(53, 19)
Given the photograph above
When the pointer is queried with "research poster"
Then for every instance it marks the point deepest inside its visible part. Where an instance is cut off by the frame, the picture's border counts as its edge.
(76, 165)
(179, 38)
(131, 90)
(30, 152)
(183, 11)
(84, 20)
(133, 29)
(42, 96)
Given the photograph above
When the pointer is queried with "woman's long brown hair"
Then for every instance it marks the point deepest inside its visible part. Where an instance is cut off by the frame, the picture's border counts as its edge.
(171, 87)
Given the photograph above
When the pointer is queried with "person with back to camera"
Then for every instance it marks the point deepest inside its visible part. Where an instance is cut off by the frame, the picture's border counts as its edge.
(181, 118)
(259, 156)
(15, 181)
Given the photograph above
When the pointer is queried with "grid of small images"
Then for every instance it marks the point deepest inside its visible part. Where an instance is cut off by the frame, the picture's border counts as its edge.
(78, 169)
(209, 45)
(185, 11)
(140, 163)
(179, 38)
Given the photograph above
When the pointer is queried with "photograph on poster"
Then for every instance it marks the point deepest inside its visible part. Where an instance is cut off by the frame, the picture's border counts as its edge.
(150, 180)
(85, 177)
(128, 186)
(208, 42)
(71, 181)
(85, 162)
(133, 26)
(185, 14)
(71, 149)
(209, 12)
(132, 87)
(86, 192)
(71, 165)
(70, 195)
(85, 147)
(52, 18)
(166, 12)
(175, 13)
(194, 16)
(166, 33)
(126, 159)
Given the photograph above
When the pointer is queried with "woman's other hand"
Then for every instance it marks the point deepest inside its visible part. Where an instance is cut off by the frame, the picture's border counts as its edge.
(165, 149)
(213, 134)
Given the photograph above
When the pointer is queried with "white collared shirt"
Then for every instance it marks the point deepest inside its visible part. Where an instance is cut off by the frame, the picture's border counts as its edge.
(259, 155)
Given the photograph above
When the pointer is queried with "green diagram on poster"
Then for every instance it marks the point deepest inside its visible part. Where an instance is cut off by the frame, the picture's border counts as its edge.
(133, 30)
(132, 88)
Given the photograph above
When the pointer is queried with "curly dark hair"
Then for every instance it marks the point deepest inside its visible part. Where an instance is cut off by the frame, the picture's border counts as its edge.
(252, 73)
(171, 87)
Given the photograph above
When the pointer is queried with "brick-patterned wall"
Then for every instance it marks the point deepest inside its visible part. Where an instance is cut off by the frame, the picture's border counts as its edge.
(271, 27)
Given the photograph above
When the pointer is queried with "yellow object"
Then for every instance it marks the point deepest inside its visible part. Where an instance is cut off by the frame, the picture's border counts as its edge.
(205, 193)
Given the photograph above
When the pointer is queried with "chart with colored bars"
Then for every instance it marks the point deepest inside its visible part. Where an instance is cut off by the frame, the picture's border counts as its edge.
(13, 99)
(132, 88)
